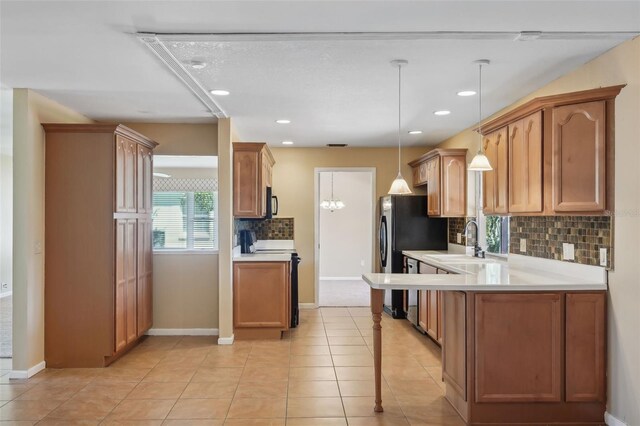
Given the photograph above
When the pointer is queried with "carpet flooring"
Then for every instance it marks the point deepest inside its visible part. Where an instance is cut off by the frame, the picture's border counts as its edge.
(6, 317)
(344, 293)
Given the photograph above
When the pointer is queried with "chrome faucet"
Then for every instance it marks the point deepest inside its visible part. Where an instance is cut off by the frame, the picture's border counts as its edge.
(477, 251)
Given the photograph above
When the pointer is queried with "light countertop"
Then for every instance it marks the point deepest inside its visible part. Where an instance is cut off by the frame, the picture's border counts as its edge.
(519, 273)
(262, 257)
(267, 251)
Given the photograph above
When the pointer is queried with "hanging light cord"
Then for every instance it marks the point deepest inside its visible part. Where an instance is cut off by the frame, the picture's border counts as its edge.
(399, 111)
(480, 105)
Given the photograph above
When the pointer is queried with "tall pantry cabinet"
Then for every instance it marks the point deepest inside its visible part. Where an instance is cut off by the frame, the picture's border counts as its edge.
(98, 242)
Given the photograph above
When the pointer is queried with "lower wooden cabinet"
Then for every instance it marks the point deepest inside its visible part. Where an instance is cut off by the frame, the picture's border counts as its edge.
(534, 358)
(430, 306)
(261, 295)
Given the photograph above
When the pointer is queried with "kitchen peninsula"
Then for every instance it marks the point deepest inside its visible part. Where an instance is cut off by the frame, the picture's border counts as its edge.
(523, 340)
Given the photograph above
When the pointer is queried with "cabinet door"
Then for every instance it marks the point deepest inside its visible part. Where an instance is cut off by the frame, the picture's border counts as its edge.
(261, 295)
(495, 182)
(415, 171)
(586, 342)
(579, 157)
(145, 179)
(422, 173)
(131, 279)
(423, 309)
(525, 164)
(145, 276)
(432, 318)
(264, 182)
(126, 283)
(440, 316)
(433, 186)
(246, 189)
(454, 353)
(121, 285)
(121, 147)
(454, 186)
(126, 181)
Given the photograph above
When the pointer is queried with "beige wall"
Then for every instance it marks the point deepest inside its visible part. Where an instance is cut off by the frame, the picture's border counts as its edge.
(618, 66)
(185, 286)
(30, 109)
(293, 181)
(346, 235)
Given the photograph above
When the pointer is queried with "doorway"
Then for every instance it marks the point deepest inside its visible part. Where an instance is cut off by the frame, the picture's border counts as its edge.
(345, 200)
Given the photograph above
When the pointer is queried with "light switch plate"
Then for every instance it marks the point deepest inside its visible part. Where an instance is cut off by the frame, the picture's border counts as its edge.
(37, 249)
(459, 238)
(568, 251)
(523, 245)
(603, 257)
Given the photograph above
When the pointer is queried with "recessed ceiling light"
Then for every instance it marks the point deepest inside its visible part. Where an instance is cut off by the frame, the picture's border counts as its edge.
(287, 142)
(283, 121)
(442, 112)
(197, 65)
(162, 175)
(415, 132)
(219, 92)
(466, 93)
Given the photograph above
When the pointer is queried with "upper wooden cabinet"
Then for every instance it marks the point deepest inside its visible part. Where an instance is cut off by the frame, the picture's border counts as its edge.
(525, 164)
(579, 157)
(444, 171)
(495, 182)
(252, 175)
(558, 158)
(98, 242)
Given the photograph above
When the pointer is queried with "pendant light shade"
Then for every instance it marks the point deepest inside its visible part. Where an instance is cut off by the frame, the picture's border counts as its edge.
(399, 186)
(480, 163)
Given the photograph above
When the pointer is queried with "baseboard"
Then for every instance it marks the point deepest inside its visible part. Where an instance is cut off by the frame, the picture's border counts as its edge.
(307, 306)
(358, 278)
(610, 420)
(25, 374)
(182, 332)
(226, 340)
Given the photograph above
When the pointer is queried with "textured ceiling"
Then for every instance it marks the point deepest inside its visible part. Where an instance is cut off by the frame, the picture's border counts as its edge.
(84, 54)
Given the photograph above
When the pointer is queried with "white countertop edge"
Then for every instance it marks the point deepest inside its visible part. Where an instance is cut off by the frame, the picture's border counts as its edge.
(259, 257)
(454, 282)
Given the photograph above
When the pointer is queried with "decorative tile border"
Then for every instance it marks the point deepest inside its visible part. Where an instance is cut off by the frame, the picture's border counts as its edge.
(456, 226)
(545, 235)
(267, 229)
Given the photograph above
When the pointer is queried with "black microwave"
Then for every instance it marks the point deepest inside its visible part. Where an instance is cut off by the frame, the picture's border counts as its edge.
(272, 204)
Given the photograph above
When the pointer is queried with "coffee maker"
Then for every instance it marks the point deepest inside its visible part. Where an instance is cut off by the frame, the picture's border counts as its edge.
(247, 241)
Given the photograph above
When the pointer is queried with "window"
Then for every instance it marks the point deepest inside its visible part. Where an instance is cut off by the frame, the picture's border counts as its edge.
(184, 204)
(497, 234)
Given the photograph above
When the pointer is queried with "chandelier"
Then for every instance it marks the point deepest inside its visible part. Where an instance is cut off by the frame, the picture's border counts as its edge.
(332, 203)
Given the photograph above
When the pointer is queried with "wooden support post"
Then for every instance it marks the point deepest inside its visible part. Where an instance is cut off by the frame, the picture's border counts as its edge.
(377, 299)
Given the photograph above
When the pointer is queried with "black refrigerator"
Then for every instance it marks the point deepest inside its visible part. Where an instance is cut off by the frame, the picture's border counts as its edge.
(404, 225)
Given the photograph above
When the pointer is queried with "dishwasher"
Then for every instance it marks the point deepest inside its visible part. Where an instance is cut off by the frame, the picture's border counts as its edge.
(412, 304)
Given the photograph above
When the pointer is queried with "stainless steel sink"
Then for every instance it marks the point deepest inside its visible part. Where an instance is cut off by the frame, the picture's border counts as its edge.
(458, 258)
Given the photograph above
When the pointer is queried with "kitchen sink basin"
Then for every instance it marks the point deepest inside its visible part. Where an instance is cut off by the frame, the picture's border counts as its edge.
(458, 258)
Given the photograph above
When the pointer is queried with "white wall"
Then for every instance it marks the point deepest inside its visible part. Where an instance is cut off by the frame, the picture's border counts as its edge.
(6, 190)
(346, 235)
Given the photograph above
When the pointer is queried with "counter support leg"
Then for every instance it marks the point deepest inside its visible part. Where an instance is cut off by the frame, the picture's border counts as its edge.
(377, 299)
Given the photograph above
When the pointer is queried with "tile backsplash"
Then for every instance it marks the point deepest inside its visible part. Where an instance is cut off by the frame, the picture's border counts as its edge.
(545, 235)
(280, 228)
(456, 226)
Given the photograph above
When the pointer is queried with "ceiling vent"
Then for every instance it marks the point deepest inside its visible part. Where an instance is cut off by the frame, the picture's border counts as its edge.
(336, 145)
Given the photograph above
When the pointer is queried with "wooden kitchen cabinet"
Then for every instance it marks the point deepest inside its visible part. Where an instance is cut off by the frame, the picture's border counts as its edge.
(559, 159)
(98, 242)
(444, 172)
(252, 175)
(261, 296)
(429, 309)
(495, 182)
(579, 157)
(538, 358)
(525, 164)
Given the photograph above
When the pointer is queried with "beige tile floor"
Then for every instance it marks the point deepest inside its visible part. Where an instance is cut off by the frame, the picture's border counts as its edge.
(321, 374)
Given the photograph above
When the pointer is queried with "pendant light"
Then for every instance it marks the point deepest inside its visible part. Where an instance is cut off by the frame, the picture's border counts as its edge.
(332, 203)
(399, 185)
(480, 163)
